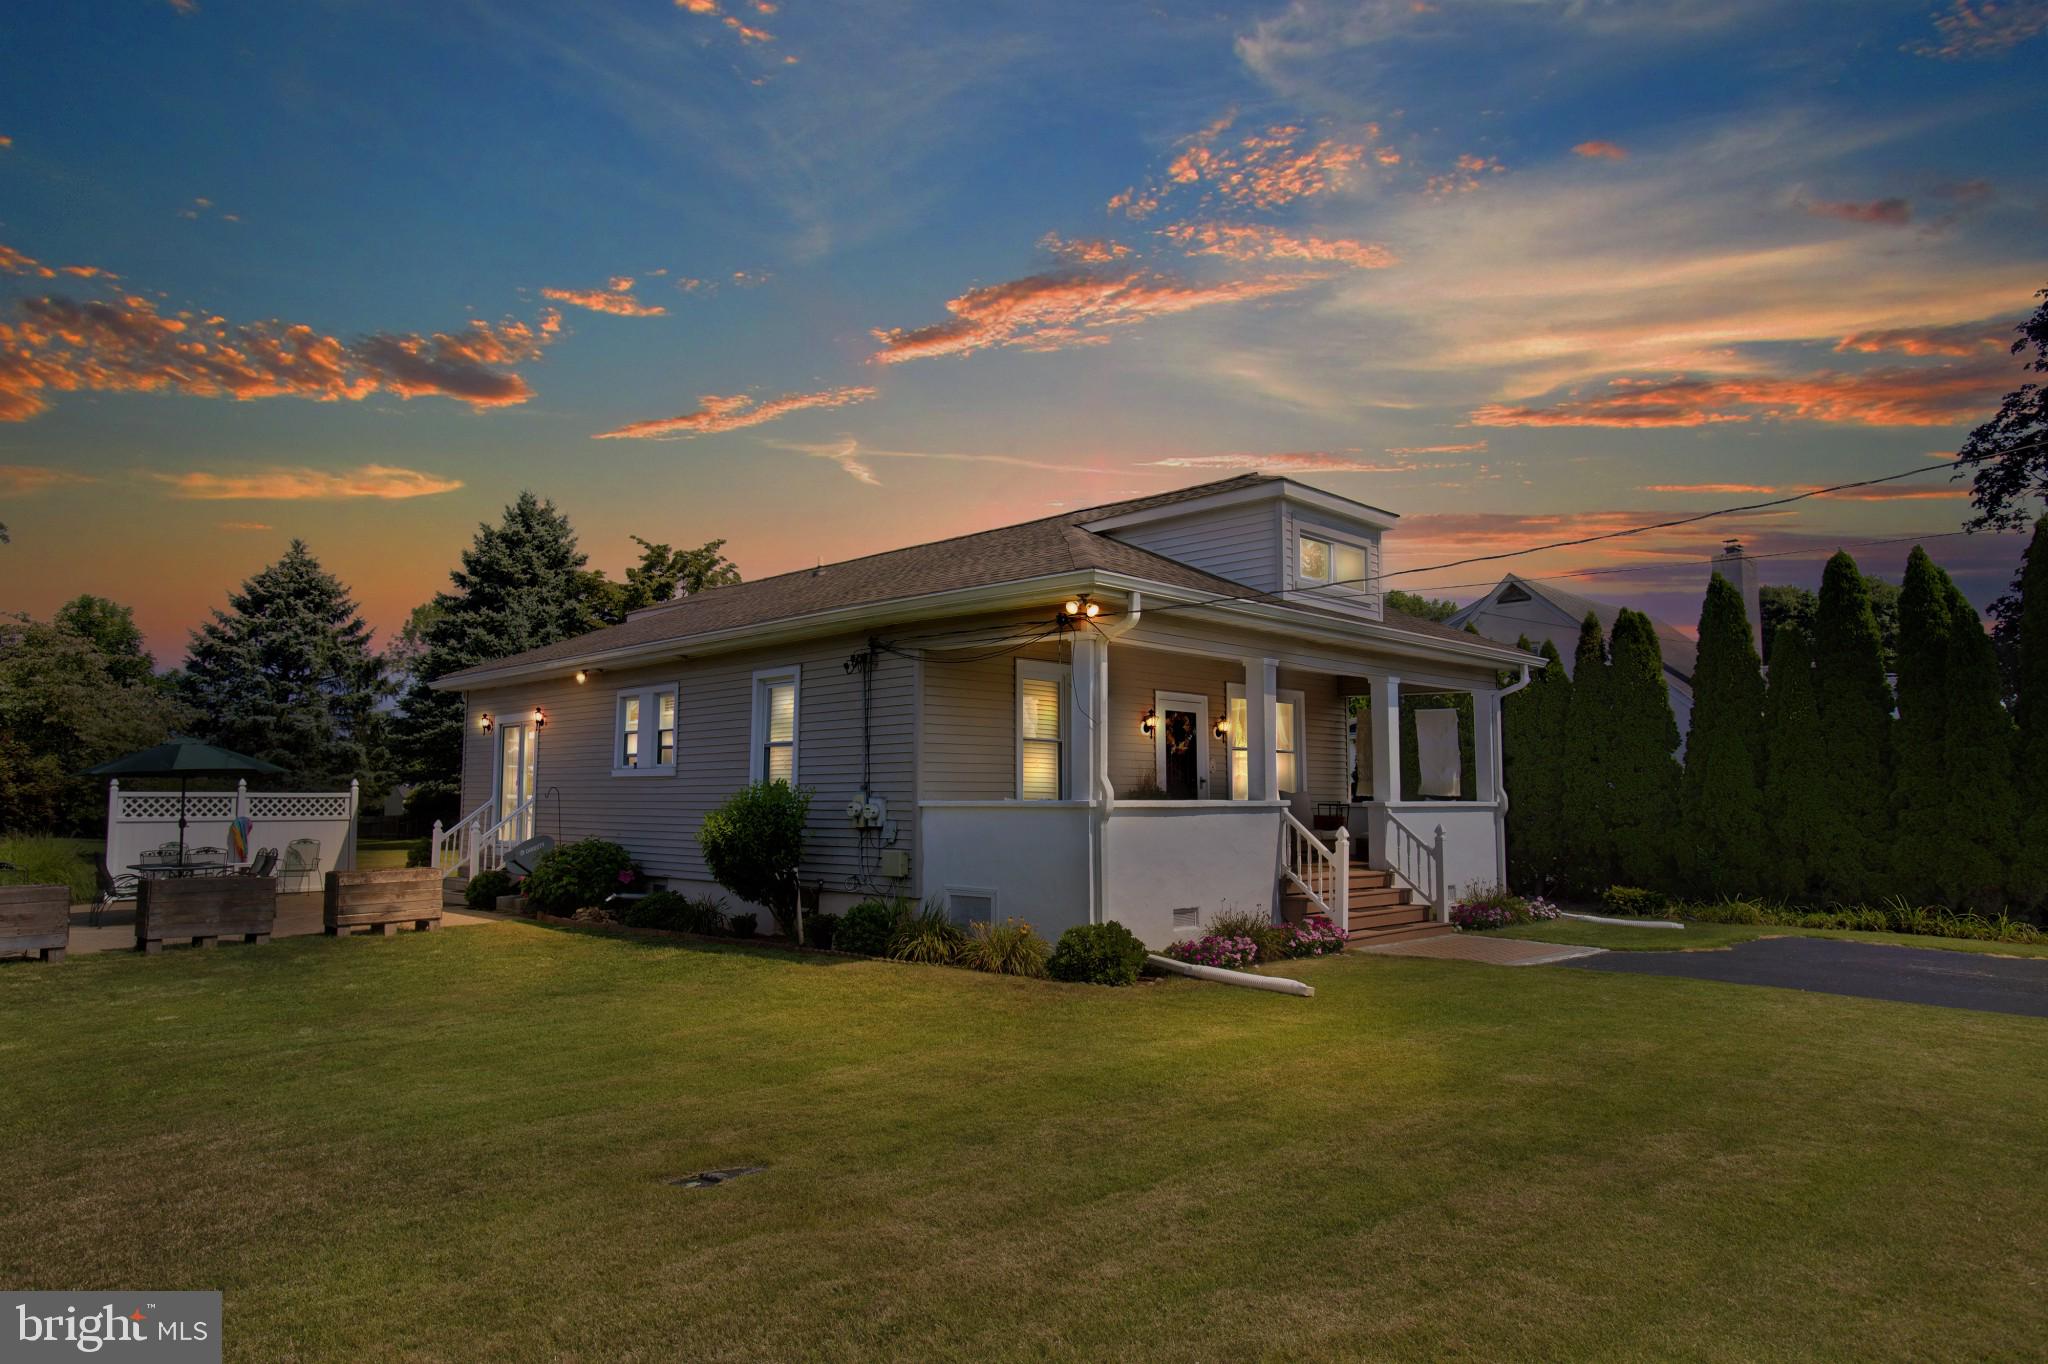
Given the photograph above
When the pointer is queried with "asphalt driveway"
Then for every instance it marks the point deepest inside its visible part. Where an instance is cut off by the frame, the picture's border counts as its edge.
(1910, 975)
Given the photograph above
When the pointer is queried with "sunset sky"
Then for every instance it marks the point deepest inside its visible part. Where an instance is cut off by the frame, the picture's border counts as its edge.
(829, 279)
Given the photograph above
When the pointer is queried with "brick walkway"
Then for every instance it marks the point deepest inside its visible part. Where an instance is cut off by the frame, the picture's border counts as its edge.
(1482, 947)
(298, 916)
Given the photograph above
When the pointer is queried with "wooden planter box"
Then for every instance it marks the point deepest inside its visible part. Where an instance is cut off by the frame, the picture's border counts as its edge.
(35, 919)
(204, 909)
(383, 900)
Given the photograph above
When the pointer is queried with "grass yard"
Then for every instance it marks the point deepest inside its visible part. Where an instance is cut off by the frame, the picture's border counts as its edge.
(1697, 937)
(452, 1147)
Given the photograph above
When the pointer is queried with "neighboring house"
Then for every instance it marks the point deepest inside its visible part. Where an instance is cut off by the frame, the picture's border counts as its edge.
(1131, 712)
(1520, 608)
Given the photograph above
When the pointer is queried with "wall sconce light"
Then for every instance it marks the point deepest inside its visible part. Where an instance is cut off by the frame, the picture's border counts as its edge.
(540, 717)
(483, 722)
(1149, 724)
(581, 677)
(1223, 726)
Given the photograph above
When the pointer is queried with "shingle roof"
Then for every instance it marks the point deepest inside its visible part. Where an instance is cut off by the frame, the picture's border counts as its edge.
(1049, 546)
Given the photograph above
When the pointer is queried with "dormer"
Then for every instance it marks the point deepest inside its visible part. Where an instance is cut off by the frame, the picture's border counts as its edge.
(1273, 535)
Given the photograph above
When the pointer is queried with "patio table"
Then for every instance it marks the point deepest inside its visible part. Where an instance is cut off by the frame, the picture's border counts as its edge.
(176, 868)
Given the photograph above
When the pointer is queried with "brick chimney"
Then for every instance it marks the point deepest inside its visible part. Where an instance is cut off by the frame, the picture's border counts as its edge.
(1739, 569)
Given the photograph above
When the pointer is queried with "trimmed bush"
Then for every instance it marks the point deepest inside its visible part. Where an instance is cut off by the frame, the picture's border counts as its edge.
(419, 853)
(1635, 902)
(1097, 954)
(820, 928)
(744, 925)
(666, 909)
(930, 935)
(485, 887)
(870, 926)
(1009, 948)
(1270, 938)
(580, 875)
(753, 844)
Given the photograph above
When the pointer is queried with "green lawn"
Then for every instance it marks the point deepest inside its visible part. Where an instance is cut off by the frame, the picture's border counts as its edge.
(373, 854)
(452, 1147)
(1696, 936)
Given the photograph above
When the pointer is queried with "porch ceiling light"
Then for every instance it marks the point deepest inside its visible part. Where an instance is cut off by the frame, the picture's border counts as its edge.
(1073, 606)
(1081, 606)
(581, 677)
(1150, 723)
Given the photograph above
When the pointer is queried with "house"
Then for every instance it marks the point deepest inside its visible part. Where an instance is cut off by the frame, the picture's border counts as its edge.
(1134, 712)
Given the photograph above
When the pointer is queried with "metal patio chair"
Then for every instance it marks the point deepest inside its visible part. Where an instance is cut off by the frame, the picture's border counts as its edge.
(301, 860)
(110, 886)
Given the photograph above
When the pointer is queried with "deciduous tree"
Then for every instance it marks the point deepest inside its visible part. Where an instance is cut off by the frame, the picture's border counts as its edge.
(2009, 453)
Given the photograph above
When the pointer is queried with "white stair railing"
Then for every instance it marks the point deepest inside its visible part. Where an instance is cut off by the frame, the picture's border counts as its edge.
(452, 850)
(1419, 863)
(1321, 872)
(515, 828)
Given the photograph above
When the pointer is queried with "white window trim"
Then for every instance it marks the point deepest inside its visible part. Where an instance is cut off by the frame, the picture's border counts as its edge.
(1063, 674)
(1365, 544)
(757, 766)
(650, 728)
(1234, 691)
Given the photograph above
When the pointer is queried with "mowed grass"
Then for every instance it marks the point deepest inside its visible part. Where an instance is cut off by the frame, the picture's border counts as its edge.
(452, 1147)
(1698, 936)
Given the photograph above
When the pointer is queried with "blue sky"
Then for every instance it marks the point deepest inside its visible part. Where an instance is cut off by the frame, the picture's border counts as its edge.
(358, 272)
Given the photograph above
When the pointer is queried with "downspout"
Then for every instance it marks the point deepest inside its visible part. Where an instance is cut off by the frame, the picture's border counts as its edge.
(1101, 796)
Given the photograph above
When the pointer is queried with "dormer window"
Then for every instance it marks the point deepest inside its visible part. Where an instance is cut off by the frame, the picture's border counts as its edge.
(1332, 563)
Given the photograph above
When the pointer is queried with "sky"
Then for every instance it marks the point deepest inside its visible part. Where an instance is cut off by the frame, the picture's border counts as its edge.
(824, 280)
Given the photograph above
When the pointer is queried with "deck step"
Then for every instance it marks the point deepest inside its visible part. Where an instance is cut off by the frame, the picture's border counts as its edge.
(1370, 937)
(1365, 878)
(1392, 916)
(1390, 898)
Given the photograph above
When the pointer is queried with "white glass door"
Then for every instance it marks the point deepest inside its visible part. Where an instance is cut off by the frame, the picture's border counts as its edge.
(518, 754)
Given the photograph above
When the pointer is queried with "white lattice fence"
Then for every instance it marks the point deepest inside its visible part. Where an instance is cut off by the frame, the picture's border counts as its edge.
(139, 821)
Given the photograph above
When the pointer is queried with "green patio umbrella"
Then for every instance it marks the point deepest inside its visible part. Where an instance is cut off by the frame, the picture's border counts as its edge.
(184, 759)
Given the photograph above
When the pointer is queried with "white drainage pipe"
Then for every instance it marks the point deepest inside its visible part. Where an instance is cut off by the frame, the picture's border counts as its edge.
(1622, 923)
(1222, 976)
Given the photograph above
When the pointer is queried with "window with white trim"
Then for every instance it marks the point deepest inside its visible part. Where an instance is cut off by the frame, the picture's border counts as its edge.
(1323, 560)
(1288, 712)
(776, 693)
(1044, 718)
(644, 732)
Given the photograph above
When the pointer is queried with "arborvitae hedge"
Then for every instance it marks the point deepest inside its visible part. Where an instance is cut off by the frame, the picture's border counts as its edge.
(1642, 753)
(1855, 705)
(1982, 811)
(1588, 839)
(2030, 876)
(1532, 727)
(1722, 843)
(1923, 790)
(1795, 783)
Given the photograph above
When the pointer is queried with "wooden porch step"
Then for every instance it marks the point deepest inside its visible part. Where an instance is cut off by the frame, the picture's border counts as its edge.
(1392, 916)
(1391, 897)
(1365, 878)
(1371, 937)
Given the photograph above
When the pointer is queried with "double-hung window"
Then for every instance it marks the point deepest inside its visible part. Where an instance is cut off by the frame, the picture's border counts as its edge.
(644, 732)
(1325, 561)
(775, 724)
(1042, 726)
(1287, 742)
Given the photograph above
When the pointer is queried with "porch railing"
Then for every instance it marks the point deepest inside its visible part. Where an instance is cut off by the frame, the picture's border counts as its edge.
(478, 842)
(1322, 872)
(1418, 862)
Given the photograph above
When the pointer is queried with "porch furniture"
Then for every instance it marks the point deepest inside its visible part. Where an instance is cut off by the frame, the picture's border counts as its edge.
(204, 909)
(204, 855)
(156, 871)
(383, 900)
(35, 919)
(109, 886)
(184, 759)
(264, 863)
(301, 861)
(526, 855)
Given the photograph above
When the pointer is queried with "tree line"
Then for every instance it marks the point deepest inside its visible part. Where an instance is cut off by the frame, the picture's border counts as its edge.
(1837, 774)
(289, 671)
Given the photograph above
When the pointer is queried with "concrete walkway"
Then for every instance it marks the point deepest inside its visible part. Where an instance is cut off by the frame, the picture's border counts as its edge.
(298, 916)
(1481, 947)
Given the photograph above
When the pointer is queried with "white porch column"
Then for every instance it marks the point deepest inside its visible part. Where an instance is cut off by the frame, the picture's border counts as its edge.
(1262, 761)
(1385, 717)
(1088, 702)
(1486, 745)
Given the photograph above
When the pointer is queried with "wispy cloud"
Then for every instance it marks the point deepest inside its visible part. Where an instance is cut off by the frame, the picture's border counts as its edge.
(1470, 447)
(19, 480)
(1066, 308)
(1935, 395)
(1083, 250)
(1256, 242)
(1285, 462)
(615, 298)
(1599, 149)
(857, 460)
(1961, 340)
(1983, 28)
(379, 481)
(1466, 174)
(731, 412)
(1727, 489)
(1259, 170)
(244, 525)
(1883, 212)
(1894, 492)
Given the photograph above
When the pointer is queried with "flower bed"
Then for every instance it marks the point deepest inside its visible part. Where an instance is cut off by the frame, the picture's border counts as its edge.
(1314, 936)
(1230, 953)
(1500, 909)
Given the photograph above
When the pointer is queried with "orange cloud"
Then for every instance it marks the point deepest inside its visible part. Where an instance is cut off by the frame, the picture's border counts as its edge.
(379, 481)
(1983, 28)
(1083, 250)
(731, 412)
(1261, 170)
(1962, 340)
(1466, 449)
(1932, 396)
(1134, 202)
(14, 262)
(1884, 212)
(616, 298)
(1730, 488)
(1247, 242)
(56, 344)
(1066, 308)
(5, 142)
(244, 525)
(1464, 175)
(1288, 462)
(1602, 150)
(19, 480)
(698, 6)
(1892, 492)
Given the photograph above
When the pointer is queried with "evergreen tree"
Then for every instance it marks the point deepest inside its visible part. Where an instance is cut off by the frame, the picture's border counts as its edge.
(1586, 839)
(521, 584)
(1642, 754)
(1795, 785)
(1532, 730)
(2031, 622)
(287, 674)
(1923, 790)
(1982, 811)
(1723, 786)
(1855, 706)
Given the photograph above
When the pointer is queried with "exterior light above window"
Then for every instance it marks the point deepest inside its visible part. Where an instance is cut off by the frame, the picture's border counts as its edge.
(483, 722)
(1150, 723)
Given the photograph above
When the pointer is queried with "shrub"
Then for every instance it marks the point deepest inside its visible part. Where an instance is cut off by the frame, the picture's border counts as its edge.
(1232, 954)
(40, 861)
(419, 853)
(820, 928)
(1635, 902)
(1497, 908)
(1097, 954)
(666, 909)
(1314, 936)
(743, 925)
(869, 926)
(580, 875)
(753, 844)
(1009, 948)
(930, 935)
(1270, 938)
(1894, 916)
(485, 887)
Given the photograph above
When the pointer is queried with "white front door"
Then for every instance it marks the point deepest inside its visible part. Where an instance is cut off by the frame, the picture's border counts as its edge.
(518, 762)
(1180, 741)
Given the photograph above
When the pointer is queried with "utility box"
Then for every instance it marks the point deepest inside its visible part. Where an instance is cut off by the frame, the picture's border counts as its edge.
(895, 864)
